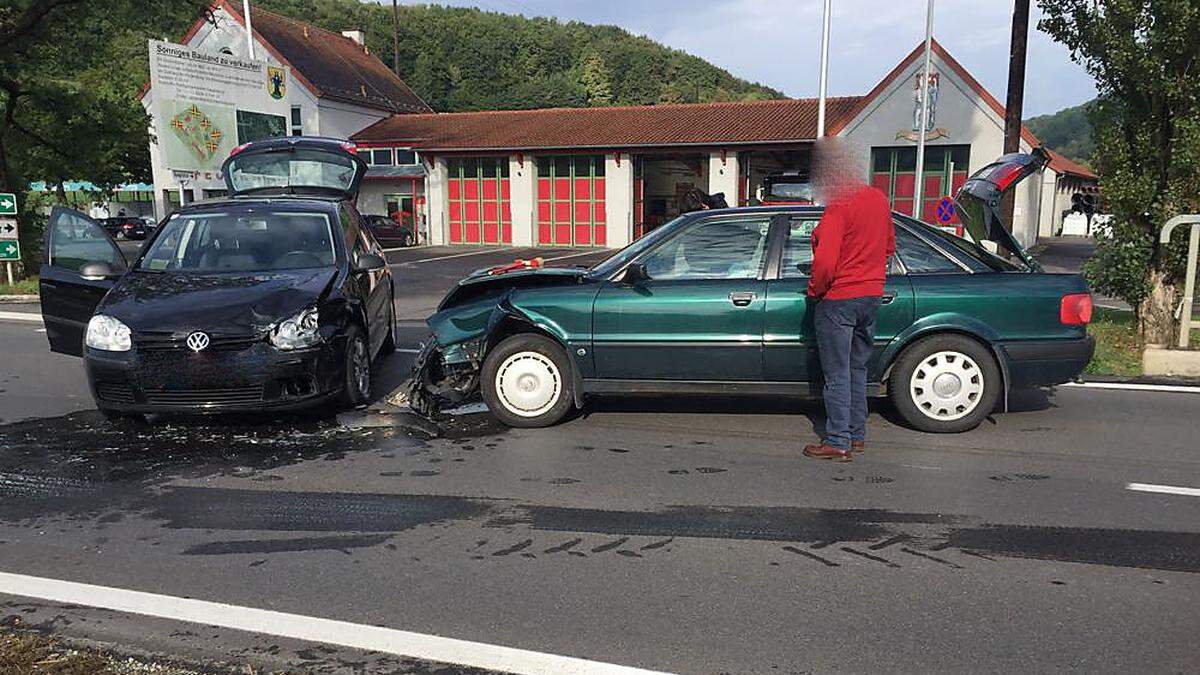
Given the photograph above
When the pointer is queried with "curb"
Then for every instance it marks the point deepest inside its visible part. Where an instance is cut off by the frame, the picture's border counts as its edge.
(18, 299)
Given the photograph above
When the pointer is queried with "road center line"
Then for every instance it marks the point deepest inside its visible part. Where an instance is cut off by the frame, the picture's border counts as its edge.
(313, 629)
(21, 316)
(1164, 489)
(1129, 386)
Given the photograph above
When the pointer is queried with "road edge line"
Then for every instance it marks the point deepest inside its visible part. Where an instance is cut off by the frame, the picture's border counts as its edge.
(1133, 386)
(1163, 489)
(308, 628)
(21, 316)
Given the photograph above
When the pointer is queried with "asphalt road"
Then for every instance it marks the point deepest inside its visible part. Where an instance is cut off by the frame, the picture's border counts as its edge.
(679, 535)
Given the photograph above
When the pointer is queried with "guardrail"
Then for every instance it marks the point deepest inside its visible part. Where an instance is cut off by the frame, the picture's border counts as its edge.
(1186, 324)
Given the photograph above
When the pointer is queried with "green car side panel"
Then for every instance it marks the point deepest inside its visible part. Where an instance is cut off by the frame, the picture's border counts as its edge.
(790, 341)
(679, 329)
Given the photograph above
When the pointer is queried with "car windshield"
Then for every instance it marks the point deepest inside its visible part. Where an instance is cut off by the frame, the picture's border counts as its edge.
(241, 241)
(293, 168)
(619, 260)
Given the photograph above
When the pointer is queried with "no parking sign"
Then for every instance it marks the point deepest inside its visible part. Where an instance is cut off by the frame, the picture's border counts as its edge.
(946, 215)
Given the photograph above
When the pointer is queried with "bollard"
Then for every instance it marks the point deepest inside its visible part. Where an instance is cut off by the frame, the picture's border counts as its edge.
(1189, 290)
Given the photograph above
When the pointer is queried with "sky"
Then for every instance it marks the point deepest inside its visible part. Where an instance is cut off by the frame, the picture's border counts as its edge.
(777, 42)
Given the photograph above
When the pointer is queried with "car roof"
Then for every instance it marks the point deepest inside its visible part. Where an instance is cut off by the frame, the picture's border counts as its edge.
(283, 201)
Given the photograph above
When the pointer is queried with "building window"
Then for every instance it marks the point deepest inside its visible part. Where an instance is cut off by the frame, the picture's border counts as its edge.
(297, 121)
(894, 170)
(377, 156)
(405, 156)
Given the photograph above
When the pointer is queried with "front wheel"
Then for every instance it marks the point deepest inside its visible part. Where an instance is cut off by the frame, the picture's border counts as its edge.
(945, 384)
(356, 377)
(526, 381)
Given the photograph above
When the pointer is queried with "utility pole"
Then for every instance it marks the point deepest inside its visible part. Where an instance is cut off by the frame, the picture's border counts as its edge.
(396, 37)
(824, 77)
(1016, 93)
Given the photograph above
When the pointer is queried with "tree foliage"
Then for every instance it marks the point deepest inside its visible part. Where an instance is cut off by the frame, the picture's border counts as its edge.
(1145, 56)
(1068, 132)
(460, 58)
(70, 73)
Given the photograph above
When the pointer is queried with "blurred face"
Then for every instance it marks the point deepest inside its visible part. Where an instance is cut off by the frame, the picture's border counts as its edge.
(835, 173)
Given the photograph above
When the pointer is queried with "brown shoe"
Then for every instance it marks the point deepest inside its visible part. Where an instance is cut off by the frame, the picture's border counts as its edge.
(823, 451)
(858, 446)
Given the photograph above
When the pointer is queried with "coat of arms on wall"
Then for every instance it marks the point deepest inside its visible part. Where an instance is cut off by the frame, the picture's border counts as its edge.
(932, 131)
(276, 82)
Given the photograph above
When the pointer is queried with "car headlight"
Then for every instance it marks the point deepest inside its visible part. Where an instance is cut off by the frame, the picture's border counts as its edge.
(297, 332)
(105, 332)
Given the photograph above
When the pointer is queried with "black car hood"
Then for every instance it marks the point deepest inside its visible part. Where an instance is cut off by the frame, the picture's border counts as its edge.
(223, 304)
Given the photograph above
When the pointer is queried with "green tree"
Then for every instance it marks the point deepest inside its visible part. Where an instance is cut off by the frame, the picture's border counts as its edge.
(1145, 56)
(597, 81)
(70, 72)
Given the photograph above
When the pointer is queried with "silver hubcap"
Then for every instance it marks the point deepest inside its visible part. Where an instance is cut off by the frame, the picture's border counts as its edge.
(947, 386)
(361, 364)
(528, 384)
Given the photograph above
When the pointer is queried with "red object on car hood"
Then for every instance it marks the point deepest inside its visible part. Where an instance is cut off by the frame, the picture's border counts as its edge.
(518, 264)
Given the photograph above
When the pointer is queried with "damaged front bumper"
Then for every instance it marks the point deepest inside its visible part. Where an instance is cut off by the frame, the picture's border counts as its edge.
(444, 376)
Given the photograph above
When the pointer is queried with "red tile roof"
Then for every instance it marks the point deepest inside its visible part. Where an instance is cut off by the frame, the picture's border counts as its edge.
(1060, 164)
(758, 122)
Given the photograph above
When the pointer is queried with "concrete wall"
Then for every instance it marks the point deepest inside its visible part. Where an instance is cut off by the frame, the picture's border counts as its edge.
(438, 201)
(723, 175)
(522, 178)
(618, 200)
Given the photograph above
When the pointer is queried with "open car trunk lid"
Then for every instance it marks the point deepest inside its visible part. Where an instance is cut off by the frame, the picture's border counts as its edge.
(980, 198)
(296, 165)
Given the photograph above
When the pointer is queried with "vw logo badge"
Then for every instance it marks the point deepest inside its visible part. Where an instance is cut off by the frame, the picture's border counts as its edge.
(197, 341)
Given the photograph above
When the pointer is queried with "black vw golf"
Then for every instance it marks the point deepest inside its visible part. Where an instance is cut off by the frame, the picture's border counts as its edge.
(277, 297)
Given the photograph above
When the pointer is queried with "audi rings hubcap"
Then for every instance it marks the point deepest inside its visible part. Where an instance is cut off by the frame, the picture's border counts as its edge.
(528, 384)
(947, 386)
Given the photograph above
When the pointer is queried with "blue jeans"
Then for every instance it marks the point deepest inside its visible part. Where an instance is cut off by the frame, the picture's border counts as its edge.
(845, 335)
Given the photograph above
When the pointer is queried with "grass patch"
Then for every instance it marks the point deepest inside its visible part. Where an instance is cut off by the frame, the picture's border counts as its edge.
(22, 653)
(1118, 349)
(23, 287)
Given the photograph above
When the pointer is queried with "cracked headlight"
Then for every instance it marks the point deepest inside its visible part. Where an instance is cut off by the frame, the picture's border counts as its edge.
(297, 332)
(105, 332)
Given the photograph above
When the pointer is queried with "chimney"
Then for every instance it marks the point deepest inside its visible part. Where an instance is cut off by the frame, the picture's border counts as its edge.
(357, 35)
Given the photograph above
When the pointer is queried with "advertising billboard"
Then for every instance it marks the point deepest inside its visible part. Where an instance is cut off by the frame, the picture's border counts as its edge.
(207, 103)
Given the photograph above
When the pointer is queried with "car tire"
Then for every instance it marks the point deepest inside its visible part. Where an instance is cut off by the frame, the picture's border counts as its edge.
(389, 342)
(526, 381)
(945, 384)
(356, 389)
(408, 240)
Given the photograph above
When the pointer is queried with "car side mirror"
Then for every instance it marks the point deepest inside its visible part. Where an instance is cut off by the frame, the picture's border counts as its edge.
(369, 262)
(99, 271)
(635, 273)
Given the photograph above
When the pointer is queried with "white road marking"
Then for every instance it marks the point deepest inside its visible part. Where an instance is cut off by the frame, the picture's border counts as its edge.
(1163, 489)
(21, 316)
(402, 248)
(311, 628)
(456, 255)
(576, 255)
(927, 468)
(1126, 386)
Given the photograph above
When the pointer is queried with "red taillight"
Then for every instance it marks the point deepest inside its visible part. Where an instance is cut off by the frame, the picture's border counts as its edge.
(1076, 309)
(350, 148)
(238, 149)
(1005, 175)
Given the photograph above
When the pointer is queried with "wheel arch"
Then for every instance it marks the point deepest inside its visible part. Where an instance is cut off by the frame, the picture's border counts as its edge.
(509, 320)
(967, 327)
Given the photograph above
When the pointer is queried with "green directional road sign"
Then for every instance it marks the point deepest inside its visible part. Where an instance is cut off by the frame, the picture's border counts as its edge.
(10, 251)
(8, 204)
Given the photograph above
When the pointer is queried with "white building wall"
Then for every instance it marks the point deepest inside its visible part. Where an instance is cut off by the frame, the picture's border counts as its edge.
(522, 180)
(618, 200)
(370, 197)
(723, 175)
(336, 119)
(439, 201)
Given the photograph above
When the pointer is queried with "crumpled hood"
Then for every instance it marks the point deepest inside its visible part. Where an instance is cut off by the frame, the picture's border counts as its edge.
(223, 304)
(480, 284)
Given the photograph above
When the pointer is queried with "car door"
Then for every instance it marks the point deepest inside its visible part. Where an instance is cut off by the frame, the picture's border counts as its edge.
(789, 338)
(699, 314)
(68, 298)
(372, 284)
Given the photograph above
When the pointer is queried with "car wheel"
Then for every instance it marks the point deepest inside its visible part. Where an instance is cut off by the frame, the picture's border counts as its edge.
(408, 239)
(389, 342)
(526, 381)
(356, 384)
(945, 384)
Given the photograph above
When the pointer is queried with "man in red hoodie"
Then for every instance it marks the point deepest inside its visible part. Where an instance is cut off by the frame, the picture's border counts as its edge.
(851, 247)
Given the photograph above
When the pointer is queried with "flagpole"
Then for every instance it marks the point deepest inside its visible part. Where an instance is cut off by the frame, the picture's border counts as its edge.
(919, 188)
(824, 71)
(249, 30)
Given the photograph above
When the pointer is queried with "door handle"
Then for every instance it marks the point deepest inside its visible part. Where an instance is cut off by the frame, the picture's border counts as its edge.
(887, 298)
(742, 298)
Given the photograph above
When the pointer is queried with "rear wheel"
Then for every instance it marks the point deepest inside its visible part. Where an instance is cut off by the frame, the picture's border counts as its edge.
(945, 384)
(356, 378)
(526, 381)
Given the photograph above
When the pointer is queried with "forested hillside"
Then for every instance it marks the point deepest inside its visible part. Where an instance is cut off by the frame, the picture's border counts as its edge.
(1068, 131)
(467, 59)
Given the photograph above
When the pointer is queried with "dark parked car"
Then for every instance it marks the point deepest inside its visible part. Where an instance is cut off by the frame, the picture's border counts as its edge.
(129, 227)
(390, 233)
(274, 298)
(715, 302)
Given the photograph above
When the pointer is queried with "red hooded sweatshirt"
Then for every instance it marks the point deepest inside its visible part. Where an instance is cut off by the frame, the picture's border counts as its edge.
(851, 246)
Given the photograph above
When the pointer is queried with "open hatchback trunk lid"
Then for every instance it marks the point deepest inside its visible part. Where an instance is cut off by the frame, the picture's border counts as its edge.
(980, 198)
(296, 165)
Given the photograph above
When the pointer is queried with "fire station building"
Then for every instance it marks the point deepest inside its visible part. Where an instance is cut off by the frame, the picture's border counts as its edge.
(606, 176)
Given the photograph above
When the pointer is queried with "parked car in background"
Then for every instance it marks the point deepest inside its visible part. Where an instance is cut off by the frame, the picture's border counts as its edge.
(391, 233)
(127, 227)
(276, 297)
(715, 302)
(786, 188)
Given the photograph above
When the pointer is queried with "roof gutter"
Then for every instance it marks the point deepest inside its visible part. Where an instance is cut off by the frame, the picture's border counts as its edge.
(415, 145)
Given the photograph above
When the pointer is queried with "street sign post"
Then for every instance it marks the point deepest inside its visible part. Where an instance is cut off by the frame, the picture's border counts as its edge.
(8, 204)
(10, 251)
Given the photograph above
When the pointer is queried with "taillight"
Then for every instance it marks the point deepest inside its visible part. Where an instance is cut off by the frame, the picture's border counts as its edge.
(350, 147)
(238, 149)
(1005, 175)
(1076, 309)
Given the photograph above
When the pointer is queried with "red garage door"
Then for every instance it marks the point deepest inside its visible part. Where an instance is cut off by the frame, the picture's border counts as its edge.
(478, 192)
(894, 170)
(570, 192)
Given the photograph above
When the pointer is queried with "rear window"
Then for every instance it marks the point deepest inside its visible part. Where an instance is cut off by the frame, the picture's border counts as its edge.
(293, 168)
(241, 241)
(975, 256)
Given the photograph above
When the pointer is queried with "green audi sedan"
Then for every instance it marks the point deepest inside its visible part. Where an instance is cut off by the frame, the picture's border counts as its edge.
(715, 303)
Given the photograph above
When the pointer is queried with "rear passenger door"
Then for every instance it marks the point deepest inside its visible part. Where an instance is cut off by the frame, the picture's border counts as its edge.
(789, 339)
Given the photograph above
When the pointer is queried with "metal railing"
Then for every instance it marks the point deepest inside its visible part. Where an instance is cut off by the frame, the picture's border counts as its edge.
(1186, 324)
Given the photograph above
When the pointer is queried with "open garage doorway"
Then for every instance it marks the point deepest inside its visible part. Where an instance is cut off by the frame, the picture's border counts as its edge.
(661, 184)
(759, 168)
